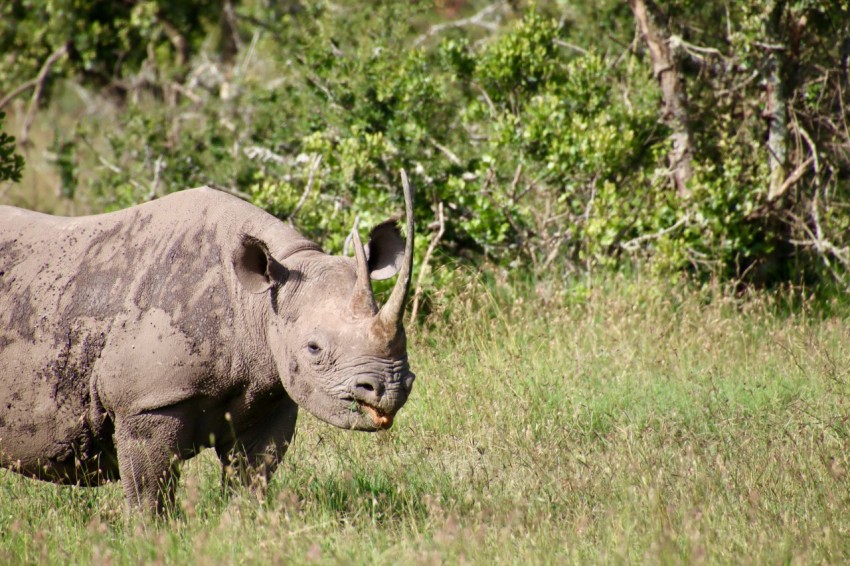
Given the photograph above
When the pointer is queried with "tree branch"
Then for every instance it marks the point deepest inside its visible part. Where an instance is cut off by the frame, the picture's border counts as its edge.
(435, 239)
(790, 181)
(347, 242)
(158, 166)
(634, 243)
(38, 83)
(475, 20)
(307, 189)
(15, 92)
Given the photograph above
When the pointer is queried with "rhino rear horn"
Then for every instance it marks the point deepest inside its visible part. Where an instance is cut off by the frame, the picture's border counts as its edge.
(391, 315)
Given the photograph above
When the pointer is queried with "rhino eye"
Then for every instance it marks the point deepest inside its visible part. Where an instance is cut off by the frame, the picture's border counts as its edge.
(313, 348)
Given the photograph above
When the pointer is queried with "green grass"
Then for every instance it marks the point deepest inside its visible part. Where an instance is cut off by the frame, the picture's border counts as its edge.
(632, 423)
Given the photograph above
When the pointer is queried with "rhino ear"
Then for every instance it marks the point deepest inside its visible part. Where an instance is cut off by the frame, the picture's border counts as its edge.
(254, 265)
(385, 250)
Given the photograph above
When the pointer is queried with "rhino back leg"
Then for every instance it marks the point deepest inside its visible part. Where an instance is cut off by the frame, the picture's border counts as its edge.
(150, 448)
(251, 458)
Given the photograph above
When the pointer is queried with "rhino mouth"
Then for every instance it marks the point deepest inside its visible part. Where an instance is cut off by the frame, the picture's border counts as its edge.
(380, 419)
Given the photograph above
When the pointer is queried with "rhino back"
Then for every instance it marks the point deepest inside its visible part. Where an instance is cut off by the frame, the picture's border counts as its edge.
(58, 272)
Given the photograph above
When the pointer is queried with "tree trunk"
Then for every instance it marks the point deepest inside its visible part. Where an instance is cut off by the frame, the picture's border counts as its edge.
(776, 112)
(653, 28)
(229, 43)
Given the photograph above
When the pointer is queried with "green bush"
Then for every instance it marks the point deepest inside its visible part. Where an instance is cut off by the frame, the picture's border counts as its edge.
(539, 133)
(11, 164)
(106, 40)
(460, 117)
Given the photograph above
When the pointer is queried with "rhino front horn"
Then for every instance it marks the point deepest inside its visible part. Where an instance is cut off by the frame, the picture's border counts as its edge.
(363, 300)
(389, 318)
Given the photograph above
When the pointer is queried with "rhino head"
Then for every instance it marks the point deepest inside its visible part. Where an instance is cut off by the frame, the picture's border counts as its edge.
(338, 355)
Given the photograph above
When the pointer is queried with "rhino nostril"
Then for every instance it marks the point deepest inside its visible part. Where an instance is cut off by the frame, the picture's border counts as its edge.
(368, 388)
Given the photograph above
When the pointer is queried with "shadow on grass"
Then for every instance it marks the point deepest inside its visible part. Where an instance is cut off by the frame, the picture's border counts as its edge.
(359, 495)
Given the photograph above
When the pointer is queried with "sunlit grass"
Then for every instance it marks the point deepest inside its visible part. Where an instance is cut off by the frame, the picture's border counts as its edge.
(634, 423)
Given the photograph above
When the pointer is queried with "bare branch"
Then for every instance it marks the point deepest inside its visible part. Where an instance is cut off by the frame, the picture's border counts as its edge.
(14, 93)
(187, 92)
(824, 248)
(485, 190)
(314, 79)
(348, 238)
(307, 189)
(703, 57)
(812, 147)
(246, 59)
(487, 99)
(769, 46)
(38, 83)
(446, 151)
(792, 178)
(435, 239)
(634, 243)
(177, 39)
(109, 165)
(573, 46)
(515, 182)
(158, 166)
(477, 19)
(263, 154)
(676, 40)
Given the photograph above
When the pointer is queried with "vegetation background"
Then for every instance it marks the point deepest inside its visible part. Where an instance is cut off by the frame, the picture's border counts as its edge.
(632, 256)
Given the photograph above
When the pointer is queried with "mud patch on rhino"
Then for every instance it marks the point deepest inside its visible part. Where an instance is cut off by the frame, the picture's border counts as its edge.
(22, 315)
(97, 293)
(112, 260)
(186, 282)
(19, 312)
(10, 253)
(69, 374)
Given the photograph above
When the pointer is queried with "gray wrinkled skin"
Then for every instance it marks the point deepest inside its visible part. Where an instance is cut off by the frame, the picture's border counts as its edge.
(130, 341)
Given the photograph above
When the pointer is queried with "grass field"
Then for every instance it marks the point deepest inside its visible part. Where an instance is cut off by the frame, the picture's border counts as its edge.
(631, 423)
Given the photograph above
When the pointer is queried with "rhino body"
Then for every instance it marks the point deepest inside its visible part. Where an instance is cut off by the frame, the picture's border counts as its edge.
(130, 341)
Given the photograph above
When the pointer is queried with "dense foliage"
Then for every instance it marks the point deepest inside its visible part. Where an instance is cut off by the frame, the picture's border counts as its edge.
(109, 44)
(11, 164)
(537, 129)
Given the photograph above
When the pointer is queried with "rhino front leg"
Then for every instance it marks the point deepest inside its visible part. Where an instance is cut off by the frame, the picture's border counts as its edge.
(252, 458)
(148, 459)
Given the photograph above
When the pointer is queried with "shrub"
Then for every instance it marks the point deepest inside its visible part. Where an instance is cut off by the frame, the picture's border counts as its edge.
(538, 135)
(11, 164)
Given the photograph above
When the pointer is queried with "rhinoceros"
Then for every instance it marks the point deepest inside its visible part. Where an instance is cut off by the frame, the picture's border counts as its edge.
(132, 340)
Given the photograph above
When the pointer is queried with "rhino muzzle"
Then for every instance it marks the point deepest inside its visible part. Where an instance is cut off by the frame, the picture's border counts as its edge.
(380, 400)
